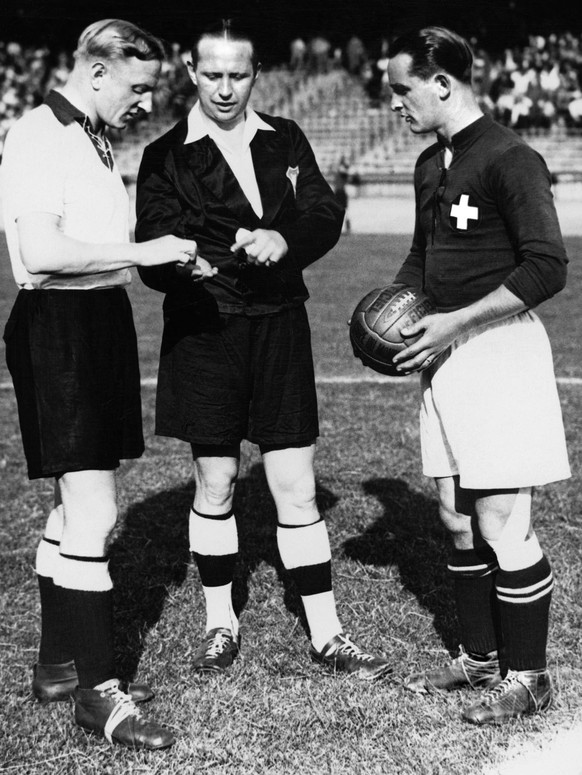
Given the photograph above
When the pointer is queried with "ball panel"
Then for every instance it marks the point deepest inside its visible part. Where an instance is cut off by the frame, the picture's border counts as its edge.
(377, 321)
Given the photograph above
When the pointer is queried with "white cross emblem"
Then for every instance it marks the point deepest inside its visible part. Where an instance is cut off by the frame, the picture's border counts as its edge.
(464, 212)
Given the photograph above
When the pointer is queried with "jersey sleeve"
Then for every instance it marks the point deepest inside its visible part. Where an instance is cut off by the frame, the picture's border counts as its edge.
(526, 202)
(411, 272)
(33, 167)
(158, 213)
(317, 224)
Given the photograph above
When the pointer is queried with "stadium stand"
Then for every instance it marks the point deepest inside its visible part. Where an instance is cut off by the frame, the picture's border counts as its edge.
(345, 111)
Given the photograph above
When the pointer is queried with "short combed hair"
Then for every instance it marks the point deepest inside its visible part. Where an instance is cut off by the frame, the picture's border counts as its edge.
(226, 29)
(118, 39)
(435, 49)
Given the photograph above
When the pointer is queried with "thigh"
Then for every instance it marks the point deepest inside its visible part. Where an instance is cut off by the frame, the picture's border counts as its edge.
(283, 403)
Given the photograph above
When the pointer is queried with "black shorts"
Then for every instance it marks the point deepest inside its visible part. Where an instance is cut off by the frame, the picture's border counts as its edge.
(224, 378)
(73, 359)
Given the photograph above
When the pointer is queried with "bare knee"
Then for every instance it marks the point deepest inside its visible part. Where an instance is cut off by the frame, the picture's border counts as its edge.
(456, 512)
(296, 491)
(291, 481)
(90, 509)
(215, 481)
(505, 523)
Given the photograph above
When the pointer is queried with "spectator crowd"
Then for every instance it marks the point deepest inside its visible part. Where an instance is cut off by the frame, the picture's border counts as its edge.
(536, 86)
(531, 87)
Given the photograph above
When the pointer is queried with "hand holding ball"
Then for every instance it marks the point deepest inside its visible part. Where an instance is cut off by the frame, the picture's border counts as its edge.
(377, 321)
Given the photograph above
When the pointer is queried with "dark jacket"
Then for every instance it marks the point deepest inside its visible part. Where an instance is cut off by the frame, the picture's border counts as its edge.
(191, 192)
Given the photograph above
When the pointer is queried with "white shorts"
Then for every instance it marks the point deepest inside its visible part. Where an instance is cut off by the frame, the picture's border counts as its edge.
(490, 409)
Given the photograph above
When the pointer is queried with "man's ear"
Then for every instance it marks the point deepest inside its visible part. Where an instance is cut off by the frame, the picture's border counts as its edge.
(192, 73)
(257, 71)
(443, 83)
(98, 70)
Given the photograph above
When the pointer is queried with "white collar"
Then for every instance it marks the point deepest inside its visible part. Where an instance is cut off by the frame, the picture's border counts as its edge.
(199, 126)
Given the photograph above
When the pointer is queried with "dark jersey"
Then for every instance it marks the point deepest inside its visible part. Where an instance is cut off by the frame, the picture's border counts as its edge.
(487, 220)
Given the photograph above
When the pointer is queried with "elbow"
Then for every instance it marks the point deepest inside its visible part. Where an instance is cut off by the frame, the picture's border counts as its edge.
(555, 283)
(36, 262)
(41, 246)
(561, 280)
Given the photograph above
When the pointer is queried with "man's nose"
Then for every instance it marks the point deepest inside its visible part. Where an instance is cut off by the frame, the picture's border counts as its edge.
(225, 86)
(395, 102)
(145, 103)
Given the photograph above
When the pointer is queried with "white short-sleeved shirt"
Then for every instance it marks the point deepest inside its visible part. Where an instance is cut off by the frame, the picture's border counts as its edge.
(52, 166)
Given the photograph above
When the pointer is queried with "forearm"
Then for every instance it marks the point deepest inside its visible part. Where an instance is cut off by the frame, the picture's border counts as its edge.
(437, 332)
(46, 250)
(59, 254)
(497, 305)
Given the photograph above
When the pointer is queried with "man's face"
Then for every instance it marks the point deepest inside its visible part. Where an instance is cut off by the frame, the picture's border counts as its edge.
(417, 101)
(125, 88)
(224, 77)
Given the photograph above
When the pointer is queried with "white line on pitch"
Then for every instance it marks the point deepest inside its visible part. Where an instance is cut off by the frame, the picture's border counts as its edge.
(372, 379)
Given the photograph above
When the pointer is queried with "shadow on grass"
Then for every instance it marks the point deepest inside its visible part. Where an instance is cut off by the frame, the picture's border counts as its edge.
(150, 557)
(409, 535)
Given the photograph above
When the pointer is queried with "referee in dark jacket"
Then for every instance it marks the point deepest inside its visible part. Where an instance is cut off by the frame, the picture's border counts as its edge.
(236, 358)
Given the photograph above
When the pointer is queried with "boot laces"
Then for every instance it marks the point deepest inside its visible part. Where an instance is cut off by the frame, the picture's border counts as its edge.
(217, 645)
(351, 650)
(124, 708)
(497, 692)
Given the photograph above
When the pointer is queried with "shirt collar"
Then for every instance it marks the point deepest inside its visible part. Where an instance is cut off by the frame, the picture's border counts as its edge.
(471, 132)
(67, 113)
(199, 126)
(64, 110)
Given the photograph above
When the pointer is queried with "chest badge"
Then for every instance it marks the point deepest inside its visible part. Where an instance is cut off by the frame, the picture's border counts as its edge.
(292, 174)
(464, 213)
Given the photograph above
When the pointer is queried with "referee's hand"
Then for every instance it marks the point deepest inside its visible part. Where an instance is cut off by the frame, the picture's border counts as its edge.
(262, 246)
(196, 269)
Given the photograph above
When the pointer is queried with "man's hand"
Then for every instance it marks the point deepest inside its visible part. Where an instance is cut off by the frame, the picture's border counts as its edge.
(196, 269)
(166, 250)
(436, 332)
(262, 246)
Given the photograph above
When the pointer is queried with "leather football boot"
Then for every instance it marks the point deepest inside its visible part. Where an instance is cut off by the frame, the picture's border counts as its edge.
(106, 710)
(217, 651)
(462, 672)
(519, 694)
(56, 683)
(343, 656)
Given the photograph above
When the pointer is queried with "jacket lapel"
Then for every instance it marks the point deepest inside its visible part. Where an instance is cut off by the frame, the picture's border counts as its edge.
(212, 170)
(270, 154)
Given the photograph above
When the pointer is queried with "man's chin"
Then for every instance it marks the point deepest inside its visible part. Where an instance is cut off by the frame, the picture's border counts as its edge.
(416, 129)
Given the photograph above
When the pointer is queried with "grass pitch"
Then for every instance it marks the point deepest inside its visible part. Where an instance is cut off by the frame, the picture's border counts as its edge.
(277, 712)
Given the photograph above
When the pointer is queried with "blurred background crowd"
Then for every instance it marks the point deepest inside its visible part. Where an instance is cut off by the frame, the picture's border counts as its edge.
(538, 85)
(325, 65)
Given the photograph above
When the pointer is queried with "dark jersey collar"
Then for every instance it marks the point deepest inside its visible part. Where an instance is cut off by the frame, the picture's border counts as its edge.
(469, 133)
(65, 111)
